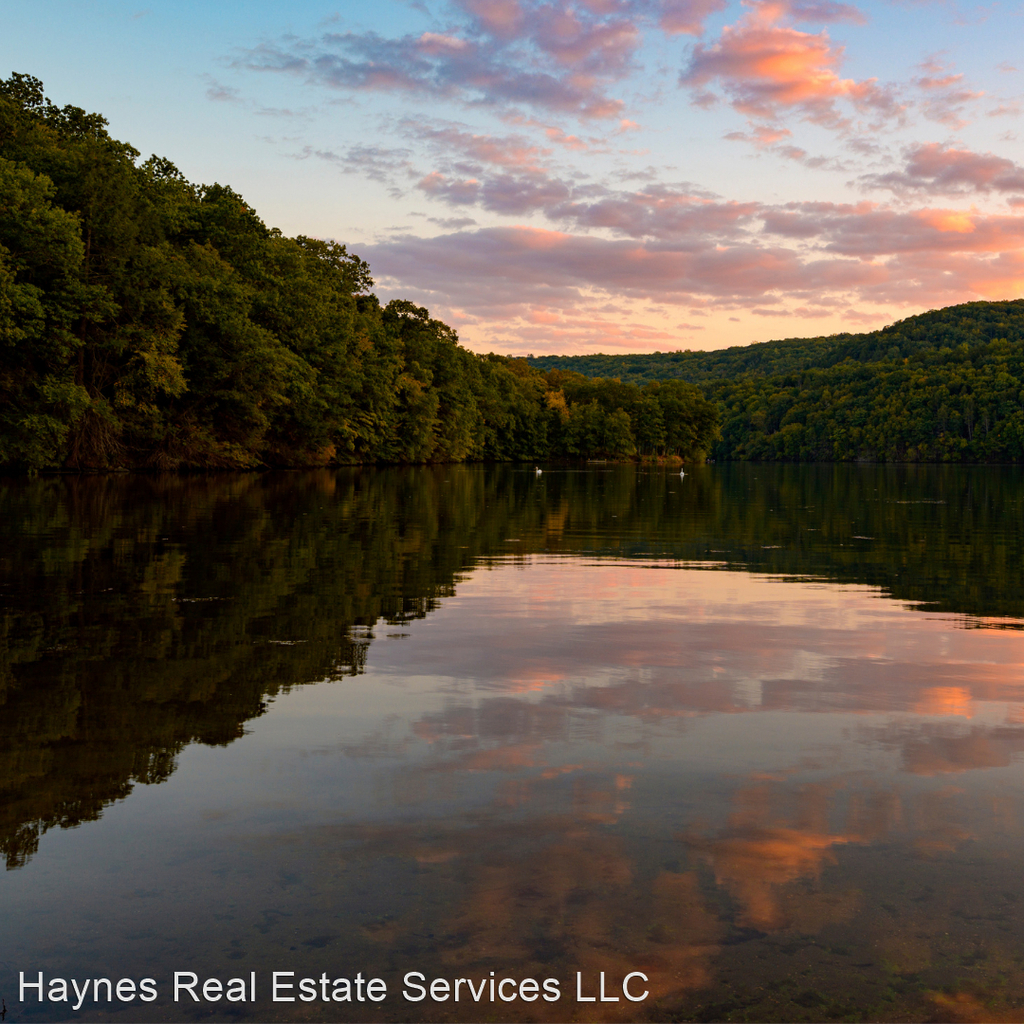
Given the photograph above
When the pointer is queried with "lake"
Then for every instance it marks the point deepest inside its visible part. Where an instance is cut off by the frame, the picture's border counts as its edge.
(744, 744)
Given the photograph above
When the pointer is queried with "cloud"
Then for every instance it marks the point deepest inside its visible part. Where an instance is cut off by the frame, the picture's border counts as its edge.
(502, 175)
(634, 238)
(378, 163)
(569, 871)
(801, 156)
(687, 17)
(946, 96)
(502, 193)
(562, 138)
(582, 44)
(552, 57)
(764, 848)
(761, 135)
(452, 223)
(454, 140)
(825, 11)
(511, 19)
(808, 258)
(869, 230)
(499, 173)
(933, 748)
(689, 219)
(939, 169)
(672, 213)
(436, 67)
(500, 272)
(767, 68)
(220, 93)
(754, 864)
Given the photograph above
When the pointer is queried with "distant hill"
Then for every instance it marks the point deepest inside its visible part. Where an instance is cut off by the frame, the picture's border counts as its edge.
(972, 324)
(944, 386)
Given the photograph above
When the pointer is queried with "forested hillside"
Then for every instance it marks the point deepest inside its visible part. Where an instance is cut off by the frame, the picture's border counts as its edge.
(148, 322)
(971, 324)
(940, 405)
(945, 386)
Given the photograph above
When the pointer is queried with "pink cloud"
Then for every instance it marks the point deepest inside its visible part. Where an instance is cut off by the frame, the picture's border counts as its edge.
(500, 18)
(586, 47)
(512, 268)
(655, 211)
(687, 17)
(512, 151)
(812, 260)
(945, 94)
(766, 68)
(940, 169)
(660, 212)
(869, 231)
(502, 193)
(556, 56)
(761, 135)
(560, 137)
(801, 156)
(448, 66)
(433, 43)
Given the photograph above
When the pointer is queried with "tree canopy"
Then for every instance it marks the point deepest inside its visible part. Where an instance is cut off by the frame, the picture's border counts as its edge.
(944, 386)
(147, 322)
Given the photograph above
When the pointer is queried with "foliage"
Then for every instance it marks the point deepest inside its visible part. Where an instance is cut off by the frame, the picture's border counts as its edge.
(939, 406)
(148, 322)
(973, 324)
(945, 386)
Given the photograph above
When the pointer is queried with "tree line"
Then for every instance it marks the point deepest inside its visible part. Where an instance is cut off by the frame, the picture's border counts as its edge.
(961, 405)
(147, 322)
(973, 324)
(944, 386)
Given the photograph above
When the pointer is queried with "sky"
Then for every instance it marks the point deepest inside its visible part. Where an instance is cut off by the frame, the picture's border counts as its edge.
(571, 176)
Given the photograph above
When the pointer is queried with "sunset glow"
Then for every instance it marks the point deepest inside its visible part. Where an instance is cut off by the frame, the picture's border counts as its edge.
(577, 176)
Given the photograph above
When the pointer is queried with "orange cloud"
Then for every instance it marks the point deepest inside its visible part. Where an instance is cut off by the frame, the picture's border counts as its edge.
(755, 865)
(578, 890)
(761, 853)
(765, 67)
(945, 700)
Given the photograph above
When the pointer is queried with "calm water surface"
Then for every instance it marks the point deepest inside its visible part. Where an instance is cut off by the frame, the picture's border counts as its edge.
(755, 733)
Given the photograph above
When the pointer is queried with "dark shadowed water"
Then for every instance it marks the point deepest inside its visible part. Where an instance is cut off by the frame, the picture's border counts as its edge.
(753, 736)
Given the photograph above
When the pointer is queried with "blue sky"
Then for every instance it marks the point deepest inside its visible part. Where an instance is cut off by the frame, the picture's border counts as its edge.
(589, 175)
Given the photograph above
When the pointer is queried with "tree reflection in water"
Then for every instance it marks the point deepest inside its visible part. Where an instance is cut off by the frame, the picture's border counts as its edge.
(144, 614)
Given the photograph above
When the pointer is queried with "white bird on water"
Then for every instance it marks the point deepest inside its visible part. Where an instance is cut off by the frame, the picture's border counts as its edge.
(539, 470)
(682, 472)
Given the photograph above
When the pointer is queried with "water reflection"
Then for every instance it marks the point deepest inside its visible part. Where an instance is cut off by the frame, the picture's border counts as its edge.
(732, 734)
